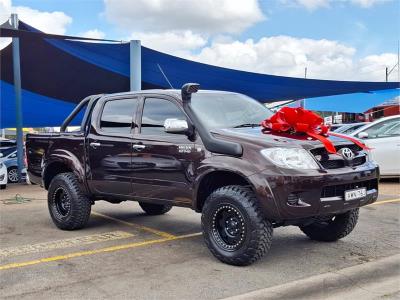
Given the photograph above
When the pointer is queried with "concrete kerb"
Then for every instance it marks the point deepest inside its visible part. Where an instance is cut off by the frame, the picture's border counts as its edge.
(356, 279)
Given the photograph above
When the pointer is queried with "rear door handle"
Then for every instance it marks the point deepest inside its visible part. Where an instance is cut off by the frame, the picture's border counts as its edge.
(94, 145)
(138, 147)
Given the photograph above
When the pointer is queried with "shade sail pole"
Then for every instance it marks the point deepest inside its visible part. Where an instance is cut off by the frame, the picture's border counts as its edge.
(135, 55)
(18, 102)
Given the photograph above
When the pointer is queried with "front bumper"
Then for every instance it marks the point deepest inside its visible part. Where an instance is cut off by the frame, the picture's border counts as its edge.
(320, 192)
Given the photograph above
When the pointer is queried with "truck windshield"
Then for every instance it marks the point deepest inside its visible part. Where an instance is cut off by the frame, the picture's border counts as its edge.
(228, 110)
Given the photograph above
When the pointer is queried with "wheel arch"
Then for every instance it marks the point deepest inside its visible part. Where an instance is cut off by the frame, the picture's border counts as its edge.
(57, 164)
(214, 179)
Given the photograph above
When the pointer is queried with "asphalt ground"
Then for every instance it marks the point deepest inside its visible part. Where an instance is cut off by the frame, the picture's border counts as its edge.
(123, 253)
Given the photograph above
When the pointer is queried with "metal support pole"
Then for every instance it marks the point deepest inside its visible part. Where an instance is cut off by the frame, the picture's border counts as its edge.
(135, 54)
(387, 74)
(18, 102)
(303, 101)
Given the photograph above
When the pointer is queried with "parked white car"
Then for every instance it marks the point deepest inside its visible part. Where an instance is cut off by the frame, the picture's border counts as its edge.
(383, 136)
(3, 176)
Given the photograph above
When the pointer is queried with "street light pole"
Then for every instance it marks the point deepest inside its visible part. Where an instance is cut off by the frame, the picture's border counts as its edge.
(18, 101)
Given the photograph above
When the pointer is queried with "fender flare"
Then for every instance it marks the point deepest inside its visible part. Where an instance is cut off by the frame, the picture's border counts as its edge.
(198, 180)
(70, 161)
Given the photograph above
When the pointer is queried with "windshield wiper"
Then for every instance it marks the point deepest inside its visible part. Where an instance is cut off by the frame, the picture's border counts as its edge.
(247, 125)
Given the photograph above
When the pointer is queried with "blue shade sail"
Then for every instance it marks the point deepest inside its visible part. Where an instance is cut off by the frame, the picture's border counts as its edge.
(58, 72)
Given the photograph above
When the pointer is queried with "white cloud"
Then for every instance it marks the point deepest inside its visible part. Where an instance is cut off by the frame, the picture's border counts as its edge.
(4, 9)
(288, 56)
(4, 42)
(51, 22)
(205, 16)
(177, 43)
(368, 3)
(93, 34)
(373, 66)
(312, 5)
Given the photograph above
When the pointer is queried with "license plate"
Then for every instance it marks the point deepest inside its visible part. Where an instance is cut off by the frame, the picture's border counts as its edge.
(355, 194)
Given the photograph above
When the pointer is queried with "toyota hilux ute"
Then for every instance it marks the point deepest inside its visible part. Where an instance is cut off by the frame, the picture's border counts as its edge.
(206, 151)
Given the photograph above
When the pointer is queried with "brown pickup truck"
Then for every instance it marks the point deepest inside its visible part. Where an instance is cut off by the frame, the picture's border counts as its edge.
(204, 150)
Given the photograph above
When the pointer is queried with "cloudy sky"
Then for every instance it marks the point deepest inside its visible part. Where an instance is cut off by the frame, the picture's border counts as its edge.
(334, 39)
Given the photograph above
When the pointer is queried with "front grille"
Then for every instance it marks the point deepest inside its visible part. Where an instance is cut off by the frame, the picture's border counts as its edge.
(329, 161)
(332, 164)
(322, 150)
(359, 161)
(338, 190)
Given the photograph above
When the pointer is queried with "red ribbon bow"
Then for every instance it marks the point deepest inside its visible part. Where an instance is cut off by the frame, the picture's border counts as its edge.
(293, 121)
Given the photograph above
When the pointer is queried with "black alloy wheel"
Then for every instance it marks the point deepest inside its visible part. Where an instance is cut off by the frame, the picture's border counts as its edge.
(228, 227)
(234, 227)
(62, 201)
(68, 204)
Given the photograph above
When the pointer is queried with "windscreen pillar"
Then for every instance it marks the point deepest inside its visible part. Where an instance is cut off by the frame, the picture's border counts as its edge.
(135, 54)
(18, 101)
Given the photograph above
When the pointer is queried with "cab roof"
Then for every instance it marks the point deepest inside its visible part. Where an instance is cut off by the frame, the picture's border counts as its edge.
(169, 92)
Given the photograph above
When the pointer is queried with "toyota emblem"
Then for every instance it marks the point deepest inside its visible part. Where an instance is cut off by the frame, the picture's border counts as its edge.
(347, 153)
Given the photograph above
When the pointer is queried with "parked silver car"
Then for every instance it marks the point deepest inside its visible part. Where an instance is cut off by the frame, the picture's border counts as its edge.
(383, 137)
(8, 156)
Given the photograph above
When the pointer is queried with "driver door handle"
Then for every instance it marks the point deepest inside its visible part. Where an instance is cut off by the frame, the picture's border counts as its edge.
(94, 145)
(138, 147)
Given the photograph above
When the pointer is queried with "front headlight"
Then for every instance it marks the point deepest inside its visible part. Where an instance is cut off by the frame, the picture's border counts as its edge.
(291, 158)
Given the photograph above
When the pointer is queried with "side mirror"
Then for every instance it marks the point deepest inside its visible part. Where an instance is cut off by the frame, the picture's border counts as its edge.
(175, 126)
(363, 135)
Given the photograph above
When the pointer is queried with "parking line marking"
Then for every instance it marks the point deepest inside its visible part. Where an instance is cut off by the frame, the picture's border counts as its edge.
(65, 243)
(141, 227)
(385, 201)
(95, 251)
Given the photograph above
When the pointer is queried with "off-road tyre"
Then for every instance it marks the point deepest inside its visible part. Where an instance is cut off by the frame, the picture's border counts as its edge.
(230, 205)
(332, 229)
(155, 209)
(73, 211)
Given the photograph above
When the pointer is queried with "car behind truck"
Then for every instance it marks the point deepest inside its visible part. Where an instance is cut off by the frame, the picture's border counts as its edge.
(206, 151)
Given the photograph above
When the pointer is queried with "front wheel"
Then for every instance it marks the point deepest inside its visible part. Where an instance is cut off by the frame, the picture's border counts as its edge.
(12, 174)
(69, 207)
(332, 228)
(234, 228)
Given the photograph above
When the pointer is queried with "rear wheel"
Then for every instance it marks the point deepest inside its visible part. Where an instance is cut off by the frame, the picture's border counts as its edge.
(12, 174)
(333, 228)
(155, 209)
(69, 207)
(234, 228)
